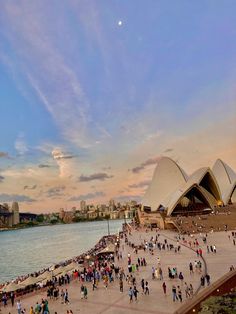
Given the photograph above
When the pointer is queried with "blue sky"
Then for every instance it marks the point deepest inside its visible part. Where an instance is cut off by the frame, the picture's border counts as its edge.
(81, 95)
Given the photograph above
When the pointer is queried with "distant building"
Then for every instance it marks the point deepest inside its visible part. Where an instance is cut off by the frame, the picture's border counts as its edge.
(112, 205)
(83, 207)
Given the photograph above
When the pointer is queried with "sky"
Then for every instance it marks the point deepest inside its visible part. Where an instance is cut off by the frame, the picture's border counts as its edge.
(93, 93)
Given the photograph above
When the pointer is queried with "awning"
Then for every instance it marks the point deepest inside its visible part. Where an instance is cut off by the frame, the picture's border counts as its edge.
(109, 249)
(30, 281)
(12, 287)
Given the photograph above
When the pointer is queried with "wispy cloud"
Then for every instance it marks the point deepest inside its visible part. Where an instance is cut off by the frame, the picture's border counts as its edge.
(28, 187)
(16, 198)
(168, 150)
(58, 154)
(55, 83)
(44, 166)
(96, 176)
(64, 161)
(4, 155)
(20, 144)
(143, 165)
(85, 197)
(56, 191)
(140, 184)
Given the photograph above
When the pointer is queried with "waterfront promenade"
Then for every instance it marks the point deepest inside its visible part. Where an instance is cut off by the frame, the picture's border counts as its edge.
(110, 300)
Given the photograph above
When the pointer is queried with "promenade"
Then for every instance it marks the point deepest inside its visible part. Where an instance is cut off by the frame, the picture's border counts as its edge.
(111, 301)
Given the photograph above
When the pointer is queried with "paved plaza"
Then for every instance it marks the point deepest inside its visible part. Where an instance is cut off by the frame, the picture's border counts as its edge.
(111, 301)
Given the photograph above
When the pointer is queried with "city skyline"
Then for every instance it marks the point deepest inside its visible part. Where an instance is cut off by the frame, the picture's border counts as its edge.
(93, 95)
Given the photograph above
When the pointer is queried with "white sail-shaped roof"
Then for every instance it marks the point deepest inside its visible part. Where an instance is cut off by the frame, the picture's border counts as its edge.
(168, 177)
(226, 179)
(176, 197)
(205, 178)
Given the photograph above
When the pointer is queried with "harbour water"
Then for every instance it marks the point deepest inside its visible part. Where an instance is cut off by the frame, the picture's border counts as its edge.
(27, 250)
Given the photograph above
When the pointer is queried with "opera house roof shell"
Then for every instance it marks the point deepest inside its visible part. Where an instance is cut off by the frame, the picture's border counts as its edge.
(173, 189)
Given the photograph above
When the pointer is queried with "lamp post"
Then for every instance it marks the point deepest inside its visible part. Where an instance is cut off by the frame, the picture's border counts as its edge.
(108, 226)
(124, 218)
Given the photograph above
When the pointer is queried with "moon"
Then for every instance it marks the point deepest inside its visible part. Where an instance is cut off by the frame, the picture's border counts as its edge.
(120, 23)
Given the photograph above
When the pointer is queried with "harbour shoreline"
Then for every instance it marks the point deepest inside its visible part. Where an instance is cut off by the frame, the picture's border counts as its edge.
(101, 244)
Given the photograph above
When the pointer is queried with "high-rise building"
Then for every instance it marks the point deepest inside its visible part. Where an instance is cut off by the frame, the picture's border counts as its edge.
(83, 207)
(112, 205)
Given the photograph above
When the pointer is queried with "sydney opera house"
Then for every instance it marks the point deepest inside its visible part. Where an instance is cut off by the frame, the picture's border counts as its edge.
(175, 193)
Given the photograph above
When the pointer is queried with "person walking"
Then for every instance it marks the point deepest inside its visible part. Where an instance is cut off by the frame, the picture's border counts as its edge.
(160, 273)
(66, 297)
(121, 286)
(187, 292)
(82, 291)
(191, 289)
(164, 288)
(135, 293)
(174, 293)
(18, 307)
(85, 292)
(146, 288)
(181, 277)
(62, 296)
(12, 297)
(202, 281)
(208, 278)
(191, 268)
(179, 293)
(37, 308)
(130, 295)
(143, 285)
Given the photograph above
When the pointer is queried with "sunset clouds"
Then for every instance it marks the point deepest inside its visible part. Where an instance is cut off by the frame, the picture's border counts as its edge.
(88, 107)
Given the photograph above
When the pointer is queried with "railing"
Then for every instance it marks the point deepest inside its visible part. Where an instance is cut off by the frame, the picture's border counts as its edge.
(222, 286)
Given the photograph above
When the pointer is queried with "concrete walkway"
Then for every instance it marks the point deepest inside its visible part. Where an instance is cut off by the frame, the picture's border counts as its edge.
(111, 301)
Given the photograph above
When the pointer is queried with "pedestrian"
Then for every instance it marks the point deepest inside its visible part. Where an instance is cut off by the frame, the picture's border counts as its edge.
(4, 299)
(179, 294)
(187, 292)
(37, 308)
(208, 279)
(12, 296)
(62, 296)
(160, 273)
(45, 309)
(146, 288)
(181, 277)
(18, 307)
(202, 281)
(191, 268)
(191, 290)
(82, 291)
(174, 294)
(121, 286)
(66, 297)
(142, 285)
(135, 292)
(153, 272)
(85, 292)
(164, 288)
(130, 294)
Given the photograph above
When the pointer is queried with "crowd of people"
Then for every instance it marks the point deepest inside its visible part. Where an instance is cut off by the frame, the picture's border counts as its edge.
(126, 270)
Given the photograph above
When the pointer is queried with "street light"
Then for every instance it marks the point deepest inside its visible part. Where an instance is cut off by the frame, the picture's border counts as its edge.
(108, 226)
